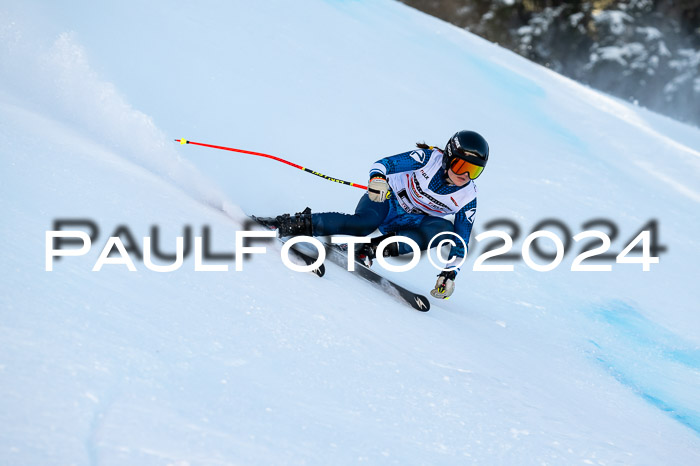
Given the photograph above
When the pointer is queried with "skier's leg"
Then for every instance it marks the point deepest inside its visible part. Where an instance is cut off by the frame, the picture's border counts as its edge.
(367, 217)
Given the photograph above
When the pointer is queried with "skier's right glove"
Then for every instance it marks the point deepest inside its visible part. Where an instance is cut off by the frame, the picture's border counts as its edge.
(377, 188)
(445, 285)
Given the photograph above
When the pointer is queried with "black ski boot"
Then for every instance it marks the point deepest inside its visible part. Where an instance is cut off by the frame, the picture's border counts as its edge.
(367, 252)
(298, 224)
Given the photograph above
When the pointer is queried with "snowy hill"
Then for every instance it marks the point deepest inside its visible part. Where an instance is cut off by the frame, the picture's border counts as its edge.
(269, 366)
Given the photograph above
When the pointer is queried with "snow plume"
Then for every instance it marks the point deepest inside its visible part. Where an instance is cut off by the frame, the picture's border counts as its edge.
(55, 78)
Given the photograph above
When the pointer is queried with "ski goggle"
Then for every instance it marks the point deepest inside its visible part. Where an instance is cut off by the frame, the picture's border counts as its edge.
(461, 166)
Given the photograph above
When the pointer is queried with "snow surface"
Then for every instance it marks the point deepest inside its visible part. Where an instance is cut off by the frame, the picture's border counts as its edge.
(269, 366)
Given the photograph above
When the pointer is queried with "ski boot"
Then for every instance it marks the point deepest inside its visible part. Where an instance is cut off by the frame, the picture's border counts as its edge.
(298, 224)
(367, 252)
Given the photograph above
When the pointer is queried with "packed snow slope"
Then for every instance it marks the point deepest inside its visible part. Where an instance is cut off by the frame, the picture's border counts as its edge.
(270, 366)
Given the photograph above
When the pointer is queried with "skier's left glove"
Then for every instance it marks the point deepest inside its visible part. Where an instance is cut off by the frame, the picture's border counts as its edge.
(445, 285)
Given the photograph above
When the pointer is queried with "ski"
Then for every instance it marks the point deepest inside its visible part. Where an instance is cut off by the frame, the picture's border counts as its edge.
(339, 256)
(302, 256)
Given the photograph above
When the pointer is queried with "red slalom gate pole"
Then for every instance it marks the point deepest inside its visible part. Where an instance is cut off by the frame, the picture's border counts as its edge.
(260, 154)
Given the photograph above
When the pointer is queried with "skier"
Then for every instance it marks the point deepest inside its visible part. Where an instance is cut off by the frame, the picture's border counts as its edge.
(409, 194)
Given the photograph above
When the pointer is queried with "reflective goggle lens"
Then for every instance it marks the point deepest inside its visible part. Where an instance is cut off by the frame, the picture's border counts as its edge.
(461, 166)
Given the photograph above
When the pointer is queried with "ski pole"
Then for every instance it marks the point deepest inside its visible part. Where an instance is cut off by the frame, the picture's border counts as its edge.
(260, 154)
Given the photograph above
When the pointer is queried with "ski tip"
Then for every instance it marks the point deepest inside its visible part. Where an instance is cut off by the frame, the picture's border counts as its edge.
(320, 271)
(420, 303)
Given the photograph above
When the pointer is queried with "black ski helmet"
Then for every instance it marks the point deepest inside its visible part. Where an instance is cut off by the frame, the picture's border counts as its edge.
(468, 145)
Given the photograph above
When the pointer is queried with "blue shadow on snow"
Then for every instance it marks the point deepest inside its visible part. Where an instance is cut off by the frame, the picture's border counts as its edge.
(655, 364)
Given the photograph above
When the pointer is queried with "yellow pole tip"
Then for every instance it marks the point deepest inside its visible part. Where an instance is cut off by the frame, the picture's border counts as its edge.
(183, 141)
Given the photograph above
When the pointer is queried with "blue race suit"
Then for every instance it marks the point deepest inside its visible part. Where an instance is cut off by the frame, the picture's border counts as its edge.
(420, 197)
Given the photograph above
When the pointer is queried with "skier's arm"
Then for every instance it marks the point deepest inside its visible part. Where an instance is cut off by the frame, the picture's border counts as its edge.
(464, 221)
(404, 162)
